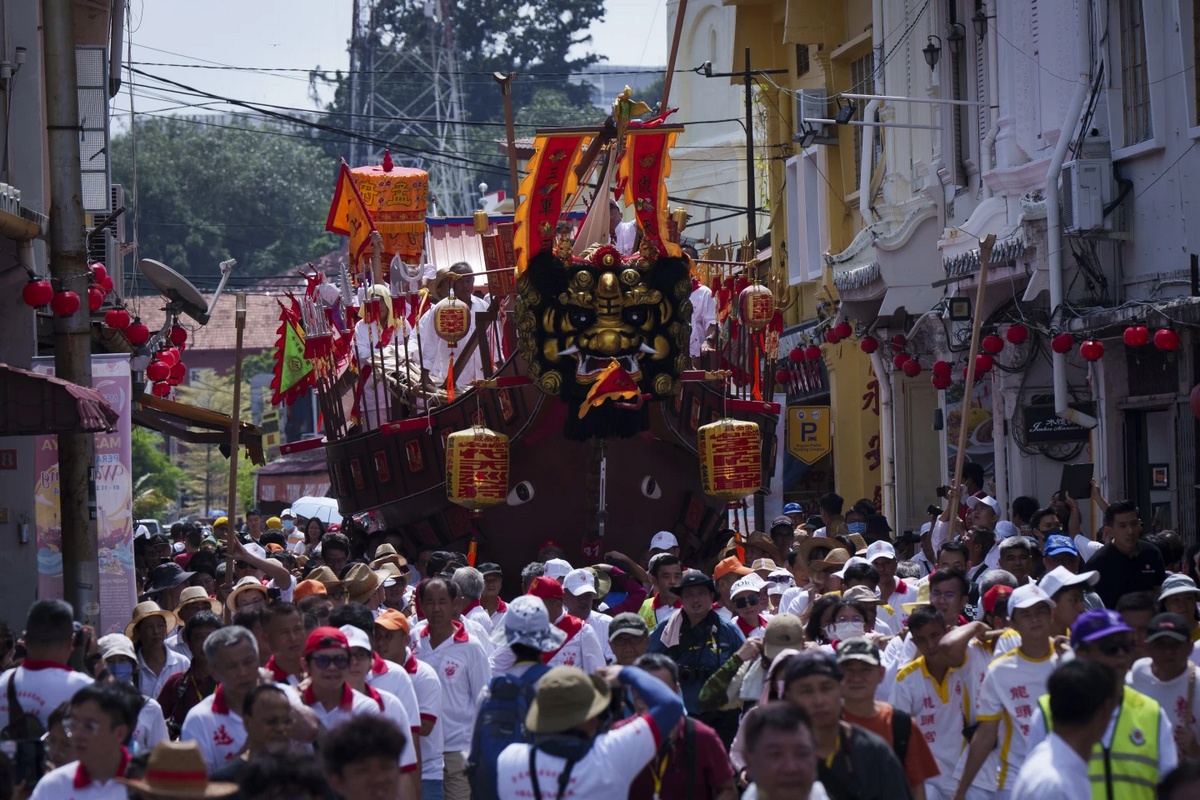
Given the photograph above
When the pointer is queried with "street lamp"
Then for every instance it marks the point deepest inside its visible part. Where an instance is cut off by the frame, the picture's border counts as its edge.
(932, 51)
(958, 34)
(980, 19)
(806, 136)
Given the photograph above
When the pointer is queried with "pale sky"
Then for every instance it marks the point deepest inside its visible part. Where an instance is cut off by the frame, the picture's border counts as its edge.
(310, 33)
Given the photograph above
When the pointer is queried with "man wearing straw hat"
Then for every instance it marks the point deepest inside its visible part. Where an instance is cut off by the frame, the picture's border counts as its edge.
(566, 751)
(428, 350)
(155, 661)
(192, 601)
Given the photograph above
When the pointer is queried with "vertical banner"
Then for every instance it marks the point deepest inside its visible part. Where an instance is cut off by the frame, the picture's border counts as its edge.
(114, 501)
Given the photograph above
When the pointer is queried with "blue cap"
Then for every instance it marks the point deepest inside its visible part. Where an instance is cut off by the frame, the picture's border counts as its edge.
(793, 508)
(1058, 544)
(1096, 624)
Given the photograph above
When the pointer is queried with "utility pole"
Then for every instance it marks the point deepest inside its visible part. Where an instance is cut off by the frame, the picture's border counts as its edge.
(747, 75)
(72, 337)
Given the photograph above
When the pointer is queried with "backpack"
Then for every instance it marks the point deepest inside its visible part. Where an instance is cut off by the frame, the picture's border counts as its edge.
(901, 731)
(500, 722)
(21, 724)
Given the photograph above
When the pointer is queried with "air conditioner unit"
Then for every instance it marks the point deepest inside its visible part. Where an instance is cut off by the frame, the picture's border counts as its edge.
(1085, 191)
(814, 104)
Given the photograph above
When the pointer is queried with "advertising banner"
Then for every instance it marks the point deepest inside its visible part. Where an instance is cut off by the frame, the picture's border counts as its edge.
(114, 502)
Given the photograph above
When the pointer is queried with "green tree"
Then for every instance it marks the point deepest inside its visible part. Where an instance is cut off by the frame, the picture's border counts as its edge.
(205, 467)
(152, 468)
(552, 107)
(257, 193)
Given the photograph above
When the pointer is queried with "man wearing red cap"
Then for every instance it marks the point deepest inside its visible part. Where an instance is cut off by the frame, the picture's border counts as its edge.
(582, 647)
(327, 658)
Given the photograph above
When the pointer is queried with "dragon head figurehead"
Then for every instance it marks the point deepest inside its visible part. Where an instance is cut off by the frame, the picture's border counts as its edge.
(580, 319)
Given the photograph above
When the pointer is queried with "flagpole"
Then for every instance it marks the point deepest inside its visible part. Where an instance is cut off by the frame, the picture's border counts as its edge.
(235, 429)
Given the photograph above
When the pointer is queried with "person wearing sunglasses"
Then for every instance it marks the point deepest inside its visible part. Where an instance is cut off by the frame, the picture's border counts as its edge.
(746, 598)
(1138, 747)
(327, 661)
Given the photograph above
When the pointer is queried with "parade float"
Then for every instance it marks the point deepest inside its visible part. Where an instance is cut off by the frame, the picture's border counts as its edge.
(550, 395)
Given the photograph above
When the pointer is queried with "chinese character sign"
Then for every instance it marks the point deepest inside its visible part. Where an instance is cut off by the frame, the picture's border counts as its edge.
(477, 468)
(114, 502)
(730, 459)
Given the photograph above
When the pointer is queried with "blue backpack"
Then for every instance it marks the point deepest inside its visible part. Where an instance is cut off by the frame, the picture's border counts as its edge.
(500, 722)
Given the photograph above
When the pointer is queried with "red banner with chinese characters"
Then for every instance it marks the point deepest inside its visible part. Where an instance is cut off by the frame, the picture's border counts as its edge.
(643, 174)
(477, 468)
(549, 183)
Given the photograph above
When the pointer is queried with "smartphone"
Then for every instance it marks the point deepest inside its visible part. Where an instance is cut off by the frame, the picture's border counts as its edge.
(943, 491)
(274, 593)
(932, 510)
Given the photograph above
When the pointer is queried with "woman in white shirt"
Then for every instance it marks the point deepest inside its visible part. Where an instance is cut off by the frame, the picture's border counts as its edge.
(378, 329)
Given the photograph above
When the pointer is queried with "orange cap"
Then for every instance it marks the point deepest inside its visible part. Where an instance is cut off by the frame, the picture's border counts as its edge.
(305, 588)
(728, 565)
(393, 620)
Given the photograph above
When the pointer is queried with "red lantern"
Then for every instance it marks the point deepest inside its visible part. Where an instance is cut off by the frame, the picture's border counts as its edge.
(832, 337)
(1194, 401)
(992, 344)
(984, 363)
(940, 381)
(178, 371)
(95, 298)
(1166, 339)
(137, 333)
(783, 376)
(158, 371)
(730, 459)
(1136, 336)
(106, 284)
(117, 318)
(1092, 350)
(812, 353)
(942, 369)
(1017, 334)
(37, 293)
(869, 345)
(99, 271)
(178, 335)
(843, 330)
(64, 304)
(161, 389)
(899, 342)
(912, 368)
(1062, 343)
(477, 468)
(900, 359)
(797, 355)
(758, 306)
(170, 356)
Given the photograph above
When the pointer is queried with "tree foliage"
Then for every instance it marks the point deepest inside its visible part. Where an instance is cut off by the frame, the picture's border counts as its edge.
(152, 468)
(205, 467)
(257, 193)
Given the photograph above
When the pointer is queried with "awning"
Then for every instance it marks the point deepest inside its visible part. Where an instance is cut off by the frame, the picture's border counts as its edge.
(291, 477)
(39, 404)
(196, 425)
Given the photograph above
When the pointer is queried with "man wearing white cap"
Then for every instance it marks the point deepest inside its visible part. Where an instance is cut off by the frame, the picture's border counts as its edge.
(1009, 694)
(893, 591)
(745, 596)
(664, 542)
(985, 511)
(579, 593)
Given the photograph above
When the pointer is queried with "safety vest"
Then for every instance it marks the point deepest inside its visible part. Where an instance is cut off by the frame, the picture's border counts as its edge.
(1129, 770)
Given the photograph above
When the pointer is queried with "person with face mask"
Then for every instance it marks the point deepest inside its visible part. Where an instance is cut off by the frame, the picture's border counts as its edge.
(287, 521)
(118, 663)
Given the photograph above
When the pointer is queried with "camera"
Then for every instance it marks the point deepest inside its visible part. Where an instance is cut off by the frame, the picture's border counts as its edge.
(932, 510)
(943, 491)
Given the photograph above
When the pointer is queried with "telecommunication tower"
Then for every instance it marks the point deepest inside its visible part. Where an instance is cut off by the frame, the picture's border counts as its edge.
(405, 89)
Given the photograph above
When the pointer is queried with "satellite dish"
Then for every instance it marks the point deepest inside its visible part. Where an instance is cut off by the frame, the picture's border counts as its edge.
(183, 296)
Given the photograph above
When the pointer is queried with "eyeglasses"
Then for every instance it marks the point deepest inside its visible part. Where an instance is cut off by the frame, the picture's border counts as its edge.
(73, 727)
(325, 662)
(742, 602)
(950, 596)
(1116, 647)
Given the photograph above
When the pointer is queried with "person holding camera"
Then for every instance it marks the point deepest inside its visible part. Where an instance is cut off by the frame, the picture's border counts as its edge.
(699, 641)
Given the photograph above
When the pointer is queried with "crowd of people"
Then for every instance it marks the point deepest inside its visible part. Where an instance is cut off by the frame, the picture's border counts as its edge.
(996, 654)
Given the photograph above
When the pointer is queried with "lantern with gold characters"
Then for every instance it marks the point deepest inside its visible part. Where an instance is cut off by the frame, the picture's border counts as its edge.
(730, 459)
(451, 319)
(757, 306)
(477, 468)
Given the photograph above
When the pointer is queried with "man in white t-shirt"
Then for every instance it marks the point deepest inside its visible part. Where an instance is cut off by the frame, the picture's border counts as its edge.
(1082, 697)
(1010, 691)
(569, 702)
(1169, 678)
(462, 667)
(44, 681)
(579, 596)
(99, 724)
(428, 350)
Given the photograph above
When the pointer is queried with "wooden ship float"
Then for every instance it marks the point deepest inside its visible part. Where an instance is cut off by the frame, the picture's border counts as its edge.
(582, 426)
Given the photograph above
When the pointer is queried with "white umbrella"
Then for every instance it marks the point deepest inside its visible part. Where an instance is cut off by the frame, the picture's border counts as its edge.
(322, 508)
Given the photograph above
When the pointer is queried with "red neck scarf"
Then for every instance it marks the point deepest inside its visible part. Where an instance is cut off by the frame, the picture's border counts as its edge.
(84, 780)
(569, 625)
(748, 629)
(277, 672)
(460, 633)
(346, 703)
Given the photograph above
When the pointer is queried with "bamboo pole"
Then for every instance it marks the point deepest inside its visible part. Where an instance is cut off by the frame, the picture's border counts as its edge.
(679, 15)
(985, 260)
(505, 82)
(235, 430)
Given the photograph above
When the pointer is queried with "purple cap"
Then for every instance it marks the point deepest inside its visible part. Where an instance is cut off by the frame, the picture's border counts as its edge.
(1097, 624)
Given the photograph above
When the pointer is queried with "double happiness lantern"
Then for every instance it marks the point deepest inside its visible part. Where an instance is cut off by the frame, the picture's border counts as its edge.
(730, 459)
(451, 319)
(477, 468)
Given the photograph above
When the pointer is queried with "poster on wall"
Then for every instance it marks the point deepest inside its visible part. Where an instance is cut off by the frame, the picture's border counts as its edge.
(114, 502)
(977, 416)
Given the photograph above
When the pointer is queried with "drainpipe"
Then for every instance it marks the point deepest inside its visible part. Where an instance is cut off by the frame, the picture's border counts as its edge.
(866, 162)
(999, 450)
(1054, 237)
(886, 435)
(1099, 433)
(116, 42)
(993, 111)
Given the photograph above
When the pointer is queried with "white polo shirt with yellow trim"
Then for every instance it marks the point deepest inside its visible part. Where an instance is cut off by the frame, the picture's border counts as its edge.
(1009, 694)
